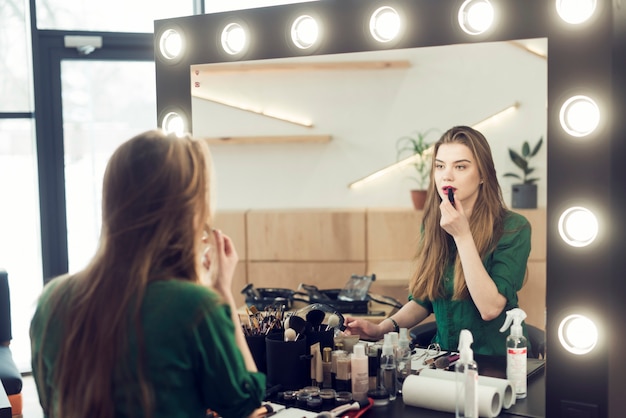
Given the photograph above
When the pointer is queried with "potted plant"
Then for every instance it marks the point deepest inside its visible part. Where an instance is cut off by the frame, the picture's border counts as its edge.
(416, 147)
(524, 194)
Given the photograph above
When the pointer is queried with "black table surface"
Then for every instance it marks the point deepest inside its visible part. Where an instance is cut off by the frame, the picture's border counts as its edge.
(533, 406)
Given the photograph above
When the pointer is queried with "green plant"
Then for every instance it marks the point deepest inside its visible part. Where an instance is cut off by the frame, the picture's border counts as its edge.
(522, 161)
(415, 145)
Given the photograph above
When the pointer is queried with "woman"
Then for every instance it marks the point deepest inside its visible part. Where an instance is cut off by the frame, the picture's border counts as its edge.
(136, 334)
(472, 254)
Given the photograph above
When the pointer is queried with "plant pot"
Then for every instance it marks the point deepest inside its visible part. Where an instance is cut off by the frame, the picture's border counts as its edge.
(419, 198)
(524, 196)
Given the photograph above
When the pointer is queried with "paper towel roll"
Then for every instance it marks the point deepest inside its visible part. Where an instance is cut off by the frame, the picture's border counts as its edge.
(440, 394)
(503, 386)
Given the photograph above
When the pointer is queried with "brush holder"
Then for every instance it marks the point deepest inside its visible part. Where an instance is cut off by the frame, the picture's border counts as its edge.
(288, 362)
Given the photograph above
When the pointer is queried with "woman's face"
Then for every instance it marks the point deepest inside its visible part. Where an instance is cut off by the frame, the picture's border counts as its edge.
(455, 167)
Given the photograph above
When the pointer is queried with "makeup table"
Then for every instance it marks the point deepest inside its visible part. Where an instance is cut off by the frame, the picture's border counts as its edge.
(533, 406)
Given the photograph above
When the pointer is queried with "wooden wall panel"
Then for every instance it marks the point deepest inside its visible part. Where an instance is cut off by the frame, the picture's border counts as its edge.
(392, 234)
(532, 297)
(306, 235)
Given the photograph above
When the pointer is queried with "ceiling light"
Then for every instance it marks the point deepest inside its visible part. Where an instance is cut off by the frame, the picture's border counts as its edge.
(579, 116)
(476, 16)
(578, 334)
(578, 226)
(575, 11)
(234, 39)
(304, 32)
(385, 24)
(171, 44)
(174, 123)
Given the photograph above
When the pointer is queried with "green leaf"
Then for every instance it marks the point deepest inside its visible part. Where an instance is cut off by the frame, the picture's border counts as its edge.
(537, 147)
(526, 149)
(518, 159)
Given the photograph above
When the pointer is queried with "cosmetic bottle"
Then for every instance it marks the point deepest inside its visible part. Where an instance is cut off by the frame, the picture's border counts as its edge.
(342, 381)
(403, 356)
(327, 382)
(359, 373)
(373, 365)
(388, 368)
(516, 351)
(466, 378)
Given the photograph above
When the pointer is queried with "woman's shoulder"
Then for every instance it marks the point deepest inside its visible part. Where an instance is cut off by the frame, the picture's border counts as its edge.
(183, 292)
(515, 220)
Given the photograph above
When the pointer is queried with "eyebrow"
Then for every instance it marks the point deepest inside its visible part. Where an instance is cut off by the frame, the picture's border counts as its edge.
(455, 162)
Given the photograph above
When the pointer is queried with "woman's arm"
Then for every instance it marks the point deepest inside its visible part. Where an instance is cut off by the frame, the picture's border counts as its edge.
(408, 316)
(227, 262)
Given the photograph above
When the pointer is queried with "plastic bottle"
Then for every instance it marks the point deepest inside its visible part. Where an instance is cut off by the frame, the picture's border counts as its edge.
(388, 368)
(403, 355)
(466, 378)
(359, 371)
(516, 351)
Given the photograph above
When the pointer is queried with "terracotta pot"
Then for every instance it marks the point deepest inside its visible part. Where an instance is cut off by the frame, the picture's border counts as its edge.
(419, 198)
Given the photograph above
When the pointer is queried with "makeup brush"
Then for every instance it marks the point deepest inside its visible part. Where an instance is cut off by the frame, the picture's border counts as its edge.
(333, 321)
(290, 334)
(314, 318)
(297, 324)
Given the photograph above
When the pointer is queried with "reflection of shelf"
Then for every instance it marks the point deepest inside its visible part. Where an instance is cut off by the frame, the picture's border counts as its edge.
(270, 139)
(300, 66)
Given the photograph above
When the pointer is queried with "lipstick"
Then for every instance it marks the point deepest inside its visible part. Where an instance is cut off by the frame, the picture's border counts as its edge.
(451, 195)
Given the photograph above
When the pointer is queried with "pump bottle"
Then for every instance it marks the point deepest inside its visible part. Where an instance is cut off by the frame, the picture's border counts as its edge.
(403, 356)
(388, 368)
(516, 351)
(360, 378)
(466, 378)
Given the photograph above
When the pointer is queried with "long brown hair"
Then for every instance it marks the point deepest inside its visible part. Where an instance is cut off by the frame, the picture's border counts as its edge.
(486, 220)
(155, 201)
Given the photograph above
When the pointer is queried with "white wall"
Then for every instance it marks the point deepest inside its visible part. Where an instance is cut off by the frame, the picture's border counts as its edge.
(366, 112)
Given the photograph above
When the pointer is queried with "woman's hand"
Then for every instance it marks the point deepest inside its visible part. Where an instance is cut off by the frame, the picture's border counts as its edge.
(453, 218)
(225, 261)
(366, 330)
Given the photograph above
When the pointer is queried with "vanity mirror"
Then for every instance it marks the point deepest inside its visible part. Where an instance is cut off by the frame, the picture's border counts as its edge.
(586, 58)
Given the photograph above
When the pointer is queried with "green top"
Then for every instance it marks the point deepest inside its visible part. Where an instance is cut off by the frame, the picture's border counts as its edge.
(193, 363)
(507, 267)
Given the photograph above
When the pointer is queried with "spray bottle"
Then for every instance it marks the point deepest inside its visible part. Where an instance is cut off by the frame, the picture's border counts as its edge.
(466, 378)
(516, 351)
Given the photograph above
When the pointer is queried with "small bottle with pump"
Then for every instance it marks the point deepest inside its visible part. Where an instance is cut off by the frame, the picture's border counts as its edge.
(516, 351)
(466, 378)
(359, 373)
(389, 368)
(403, 356)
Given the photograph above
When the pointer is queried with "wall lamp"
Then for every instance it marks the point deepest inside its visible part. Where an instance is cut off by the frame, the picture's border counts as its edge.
(234, 39)
(576, 11)
(174, 122)
(476, 16)
(385, 24)
(305, 32)
(579, 116)
(171, 44)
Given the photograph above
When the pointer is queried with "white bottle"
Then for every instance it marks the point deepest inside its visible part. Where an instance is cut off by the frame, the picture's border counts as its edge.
(360, 375)
(388, 368)
(403, 355)
(516, 351)
(466, 378)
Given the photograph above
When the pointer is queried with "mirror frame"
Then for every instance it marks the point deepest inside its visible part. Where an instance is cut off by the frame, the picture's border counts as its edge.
(588, 58)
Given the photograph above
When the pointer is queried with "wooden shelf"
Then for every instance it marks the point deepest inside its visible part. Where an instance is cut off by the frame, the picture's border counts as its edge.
(300, 66)
(273, 139)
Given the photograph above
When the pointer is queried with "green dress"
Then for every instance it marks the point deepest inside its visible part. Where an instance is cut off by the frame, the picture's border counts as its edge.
(507, 267)
(193, 363)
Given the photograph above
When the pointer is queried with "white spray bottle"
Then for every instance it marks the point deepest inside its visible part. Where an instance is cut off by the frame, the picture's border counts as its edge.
(466, 378)
(516, 351)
